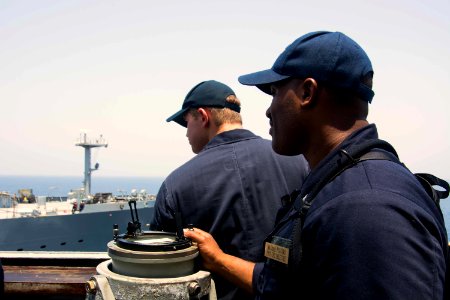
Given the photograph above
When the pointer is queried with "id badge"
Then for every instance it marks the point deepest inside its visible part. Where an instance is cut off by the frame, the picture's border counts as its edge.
(278, 249)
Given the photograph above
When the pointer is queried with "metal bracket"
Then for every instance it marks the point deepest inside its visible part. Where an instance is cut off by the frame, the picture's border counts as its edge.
(99, 283)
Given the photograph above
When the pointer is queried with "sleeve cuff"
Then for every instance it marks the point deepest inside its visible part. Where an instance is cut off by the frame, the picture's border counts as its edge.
(256, 275)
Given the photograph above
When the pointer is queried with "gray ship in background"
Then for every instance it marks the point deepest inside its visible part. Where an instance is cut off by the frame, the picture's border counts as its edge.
(81, 222)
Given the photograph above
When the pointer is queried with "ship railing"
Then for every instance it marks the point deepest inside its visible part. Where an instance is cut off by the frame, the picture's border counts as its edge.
(60, 274)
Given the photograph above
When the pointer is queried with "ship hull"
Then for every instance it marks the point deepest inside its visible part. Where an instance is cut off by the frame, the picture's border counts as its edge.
(88, 232)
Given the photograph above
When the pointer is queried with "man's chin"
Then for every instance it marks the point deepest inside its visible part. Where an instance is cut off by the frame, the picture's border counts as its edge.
(279, 149)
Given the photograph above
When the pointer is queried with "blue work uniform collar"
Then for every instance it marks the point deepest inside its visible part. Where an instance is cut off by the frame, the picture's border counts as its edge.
(368, 132)
(230, 136)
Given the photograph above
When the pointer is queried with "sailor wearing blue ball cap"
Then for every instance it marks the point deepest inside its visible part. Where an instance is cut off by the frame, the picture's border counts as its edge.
(362, 226)
(232, 187)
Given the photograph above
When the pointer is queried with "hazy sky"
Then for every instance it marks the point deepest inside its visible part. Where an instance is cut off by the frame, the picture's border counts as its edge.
(120, 68)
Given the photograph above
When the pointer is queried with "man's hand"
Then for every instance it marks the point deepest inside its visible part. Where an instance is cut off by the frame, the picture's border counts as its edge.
(232, 268)
(208, 247)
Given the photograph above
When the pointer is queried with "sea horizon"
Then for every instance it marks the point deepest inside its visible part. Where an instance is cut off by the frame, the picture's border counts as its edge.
(60, 186)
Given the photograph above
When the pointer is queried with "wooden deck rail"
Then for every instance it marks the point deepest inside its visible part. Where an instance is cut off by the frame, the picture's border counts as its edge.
(48, 275)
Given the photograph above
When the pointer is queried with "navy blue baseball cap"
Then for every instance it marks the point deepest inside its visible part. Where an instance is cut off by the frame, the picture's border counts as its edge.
(329, 57)
(209, 93)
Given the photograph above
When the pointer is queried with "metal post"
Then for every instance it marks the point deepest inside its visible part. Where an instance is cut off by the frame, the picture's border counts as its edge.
(87, 170)
(88, 145)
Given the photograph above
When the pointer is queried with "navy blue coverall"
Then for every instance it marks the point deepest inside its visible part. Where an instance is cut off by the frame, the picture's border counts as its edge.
(371, 233)
(231, 189)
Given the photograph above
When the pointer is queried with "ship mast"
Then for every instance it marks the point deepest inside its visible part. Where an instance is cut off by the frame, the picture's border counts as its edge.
(88, 144)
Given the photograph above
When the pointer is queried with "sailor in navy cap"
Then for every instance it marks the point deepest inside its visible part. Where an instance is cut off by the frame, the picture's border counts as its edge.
(232, 187)
(359, 228)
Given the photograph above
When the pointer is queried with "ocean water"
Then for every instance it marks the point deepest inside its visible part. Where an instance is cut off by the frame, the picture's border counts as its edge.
(60, 186)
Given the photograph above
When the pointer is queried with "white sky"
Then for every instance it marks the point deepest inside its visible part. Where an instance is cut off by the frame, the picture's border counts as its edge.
(120, 68)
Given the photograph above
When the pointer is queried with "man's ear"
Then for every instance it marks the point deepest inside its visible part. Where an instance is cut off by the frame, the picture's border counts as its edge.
(308, 92)
(205, 116)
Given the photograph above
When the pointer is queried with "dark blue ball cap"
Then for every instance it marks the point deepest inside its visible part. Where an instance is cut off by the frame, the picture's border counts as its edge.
(328, 57)
(209, 93)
